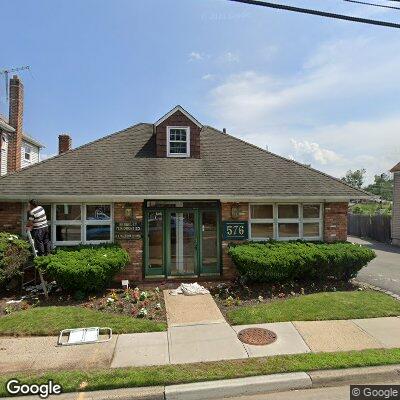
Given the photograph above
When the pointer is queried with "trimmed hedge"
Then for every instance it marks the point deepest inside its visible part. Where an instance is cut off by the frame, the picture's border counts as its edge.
(14, 255)
(290, 261)
(85, 269)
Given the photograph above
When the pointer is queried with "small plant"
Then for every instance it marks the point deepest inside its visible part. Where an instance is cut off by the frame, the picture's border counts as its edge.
(142, 312)
(143, 296)
(229, 301)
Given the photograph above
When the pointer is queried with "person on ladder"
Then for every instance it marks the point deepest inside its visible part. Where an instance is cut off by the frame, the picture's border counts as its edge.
(37, 224)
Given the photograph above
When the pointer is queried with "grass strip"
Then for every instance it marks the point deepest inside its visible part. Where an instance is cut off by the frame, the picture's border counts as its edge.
(46, 321)
(72, 381)
(318, 307)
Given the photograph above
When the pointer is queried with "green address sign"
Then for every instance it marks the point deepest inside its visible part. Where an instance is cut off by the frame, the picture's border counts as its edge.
(235, 230)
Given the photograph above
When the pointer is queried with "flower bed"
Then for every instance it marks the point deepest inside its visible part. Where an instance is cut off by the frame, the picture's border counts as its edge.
(137, 303)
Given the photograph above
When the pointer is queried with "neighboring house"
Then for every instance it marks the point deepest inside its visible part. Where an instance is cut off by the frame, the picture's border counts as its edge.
(175, 194)
(17, 149)
(396, 205)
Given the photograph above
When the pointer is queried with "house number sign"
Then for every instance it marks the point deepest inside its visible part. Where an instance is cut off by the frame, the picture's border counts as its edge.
(235, 230)
(128, 230)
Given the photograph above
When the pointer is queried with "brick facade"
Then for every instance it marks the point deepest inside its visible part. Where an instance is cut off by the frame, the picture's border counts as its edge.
(134, 271)
(15, 120)
(177, 119)
(11, 217)
(228, 267)
(335, 222)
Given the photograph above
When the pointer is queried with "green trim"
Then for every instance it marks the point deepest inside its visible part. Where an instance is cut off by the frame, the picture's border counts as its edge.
(165, 270)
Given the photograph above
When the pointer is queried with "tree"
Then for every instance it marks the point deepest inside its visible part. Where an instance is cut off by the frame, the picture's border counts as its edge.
(382, 186)
(355, 178)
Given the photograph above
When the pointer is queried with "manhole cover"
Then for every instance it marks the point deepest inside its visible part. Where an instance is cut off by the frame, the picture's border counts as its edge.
(257, 336)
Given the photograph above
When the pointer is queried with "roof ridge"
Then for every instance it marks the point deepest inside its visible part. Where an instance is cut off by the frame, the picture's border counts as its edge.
(73, 150)
(287, 159)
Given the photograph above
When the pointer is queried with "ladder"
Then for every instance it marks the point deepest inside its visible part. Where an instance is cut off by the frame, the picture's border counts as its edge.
(42, 282)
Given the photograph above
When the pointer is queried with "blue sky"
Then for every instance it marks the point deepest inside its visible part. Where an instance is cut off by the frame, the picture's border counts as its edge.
(320, 91)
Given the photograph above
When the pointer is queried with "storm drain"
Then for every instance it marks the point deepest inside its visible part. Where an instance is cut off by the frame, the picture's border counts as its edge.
(257, 336)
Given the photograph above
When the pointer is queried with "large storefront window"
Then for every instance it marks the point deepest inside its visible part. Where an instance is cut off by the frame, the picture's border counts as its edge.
(285, 221)
(74, 224)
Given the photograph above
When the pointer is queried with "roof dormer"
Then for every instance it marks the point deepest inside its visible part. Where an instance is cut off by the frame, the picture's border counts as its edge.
(178, 135)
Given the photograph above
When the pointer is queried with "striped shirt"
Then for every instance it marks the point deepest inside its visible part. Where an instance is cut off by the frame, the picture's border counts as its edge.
(38, 217)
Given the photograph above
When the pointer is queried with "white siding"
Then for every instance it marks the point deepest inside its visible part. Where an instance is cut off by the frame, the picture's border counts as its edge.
(396, 209)
(34, 154)
(4, 155)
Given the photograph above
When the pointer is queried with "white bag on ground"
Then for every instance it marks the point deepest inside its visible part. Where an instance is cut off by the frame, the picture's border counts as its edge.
(189, 289)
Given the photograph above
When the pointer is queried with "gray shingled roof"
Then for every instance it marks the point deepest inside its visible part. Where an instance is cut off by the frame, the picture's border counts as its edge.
(124, 164)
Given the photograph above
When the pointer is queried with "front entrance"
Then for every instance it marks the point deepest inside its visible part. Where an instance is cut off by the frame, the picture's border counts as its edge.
(182, 242)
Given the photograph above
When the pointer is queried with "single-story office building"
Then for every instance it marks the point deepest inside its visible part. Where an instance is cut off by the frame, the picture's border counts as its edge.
(175, 193)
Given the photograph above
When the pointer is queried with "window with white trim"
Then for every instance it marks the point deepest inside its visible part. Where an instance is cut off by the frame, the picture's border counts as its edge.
(289, 221)
(27, 153)
(74, 224)
(178, 141)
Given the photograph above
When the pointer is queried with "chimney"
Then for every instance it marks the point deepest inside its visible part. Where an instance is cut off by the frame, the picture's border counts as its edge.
(15, 117)
(64, 143)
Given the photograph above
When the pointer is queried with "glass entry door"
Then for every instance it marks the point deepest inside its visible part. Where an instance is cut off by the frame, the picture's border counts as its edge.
(182, 242)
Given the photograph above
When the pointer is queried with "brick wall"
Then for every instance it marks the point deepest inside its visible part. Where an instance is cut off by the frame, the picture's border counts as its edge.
(335, 222)
(228, 268)
(177, 119)
(11, 217)
(134, 271)
(64, 143)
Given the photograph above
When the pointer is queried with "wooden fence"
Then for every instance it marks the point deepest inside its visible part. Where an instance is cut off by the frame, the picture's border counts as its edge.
(376, 227)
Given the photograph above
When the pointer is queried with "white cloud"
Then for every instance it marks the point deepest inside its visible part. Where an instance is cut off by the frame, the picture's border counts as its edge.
(44, 156)
(207, 77)
(228, 57)
(314, 151)
(195, 56)
(337, 107)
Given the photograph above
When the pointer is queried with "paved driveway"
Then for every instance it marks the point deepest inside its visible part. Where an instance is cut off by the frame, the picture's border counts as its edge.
(384, 270)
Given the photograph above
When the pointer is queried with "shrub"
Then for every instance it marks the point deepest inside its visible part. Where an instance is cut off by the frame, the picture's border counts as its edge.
(291, 261)
(14, 254)
(86, 269)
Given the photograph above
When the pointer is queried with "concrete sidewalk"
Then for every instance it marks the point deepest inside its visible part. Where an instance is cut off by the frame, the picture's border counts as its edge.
(196, 343)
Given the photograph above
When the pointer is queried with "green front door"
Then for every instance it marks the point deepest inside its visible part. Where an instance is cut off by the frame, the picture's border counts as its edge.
(181, 242)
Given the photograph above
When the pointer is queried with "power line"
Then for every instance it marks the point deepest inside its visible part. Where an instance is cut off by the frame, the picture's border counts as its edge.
(319, 13)
(372, 4)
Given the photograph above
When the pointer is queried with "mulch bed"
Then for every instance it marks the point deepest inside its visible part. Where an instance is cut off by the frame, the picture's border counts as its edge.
(147, 303)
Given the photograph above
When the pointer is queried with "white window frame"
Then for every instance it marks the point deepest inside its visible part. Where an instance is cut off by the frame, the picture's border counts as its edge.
(262, 221)
(300, 221)
(187, 141)
(83, 223)
(27, 147)
(296, 221)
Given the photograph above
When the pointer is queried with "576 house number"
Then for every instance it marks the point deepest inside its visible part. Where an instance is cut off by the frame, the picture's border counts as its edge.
(235, 230)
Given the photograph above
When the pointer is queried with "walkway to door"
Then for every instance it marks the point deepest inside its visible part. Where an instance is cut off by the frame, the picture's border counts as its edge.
(191, 310)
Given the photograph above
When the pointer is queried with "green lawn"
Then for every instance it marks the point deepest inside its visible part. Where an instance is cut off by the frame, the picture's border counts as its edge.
(319, 306)
(43, 321)
(185, 373)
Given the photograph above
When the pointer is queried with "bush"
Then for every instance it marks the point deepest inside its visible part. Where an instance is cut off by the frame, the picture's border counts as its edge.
(14, 254)
(86, 269)
(291, 261)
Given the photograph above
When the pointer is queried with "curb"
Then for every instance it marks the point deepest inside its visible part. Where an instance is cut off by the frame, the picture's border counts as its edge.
(242, 386)
(238, 387)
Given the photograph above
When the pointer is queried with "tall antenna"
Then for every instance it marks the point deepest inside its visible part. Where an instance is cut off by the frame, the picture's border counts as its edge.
(5, 72)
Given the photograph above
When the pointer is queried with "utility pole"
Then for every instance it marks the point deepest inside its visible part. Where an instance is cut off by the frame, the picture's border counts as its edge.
(6, 73)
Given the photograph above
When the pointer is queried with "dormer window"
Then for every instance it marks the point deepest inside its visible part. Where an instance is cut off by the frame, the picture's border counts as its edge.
(178, 141)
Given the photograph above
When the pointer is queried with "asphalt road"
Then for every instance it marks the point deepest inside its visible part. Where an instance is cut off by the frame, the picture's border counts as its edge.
(384, 270)
(329, 393)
